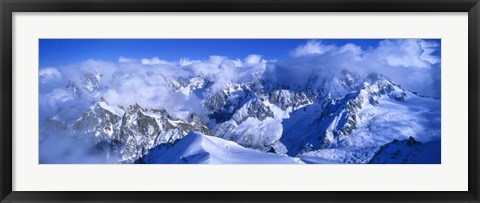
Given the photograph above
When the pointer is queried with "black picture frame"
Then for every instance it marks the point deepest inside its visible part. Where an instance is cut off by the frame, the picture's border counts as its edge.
(7, 7)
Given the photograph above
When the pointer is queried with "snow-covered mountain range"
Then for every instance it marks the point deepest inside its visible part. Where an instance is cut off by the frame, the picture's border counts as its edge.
(343, 118)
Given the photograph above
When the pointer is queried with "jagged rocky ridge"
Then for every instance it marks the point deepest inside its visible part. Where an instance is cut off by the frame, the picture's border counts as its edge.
(132, 131)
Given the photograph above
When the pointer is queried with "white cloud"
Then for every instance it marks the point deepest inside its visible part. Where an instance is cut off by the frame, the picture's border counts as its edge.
(406, 53)
(187, 61)
(58, 148)
(216, 59)
(312, 47)
(253, 59)
(57, 96)
(153, 61)
(122, 59)
(354, 49)
(49, 74)
(429, 47)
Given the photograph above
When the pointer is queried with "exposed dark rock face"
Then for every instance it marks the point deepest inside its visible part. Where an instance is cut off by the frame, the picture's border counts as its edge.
(405, 151)
(253, 109)
(98, 121)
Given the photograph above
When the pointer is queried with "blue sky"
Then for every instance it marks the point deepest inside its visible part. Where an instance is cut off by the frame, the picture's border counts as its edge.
(56, 52)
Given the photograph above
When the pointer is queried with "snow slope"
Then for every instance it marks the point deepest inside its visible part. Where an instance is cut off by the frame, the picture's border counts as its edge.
(198, 148)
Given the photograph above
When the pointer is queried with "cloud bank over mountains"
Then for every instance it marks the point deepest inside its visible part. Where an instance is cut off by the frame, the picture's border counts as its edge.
(412, 63)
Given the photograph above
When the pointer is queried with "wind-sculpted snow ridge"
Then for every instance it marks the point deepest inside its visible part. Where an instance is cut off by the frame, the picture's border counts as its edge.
(196, 148)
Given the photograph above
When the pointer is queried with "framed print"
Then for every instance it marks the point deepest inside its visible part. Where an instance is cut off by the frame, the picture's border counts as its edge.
(239, 101)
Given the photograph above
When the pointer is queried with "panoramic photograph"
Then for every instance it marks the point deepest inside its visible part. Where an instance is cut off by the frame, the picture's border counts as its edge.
(239, 101)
